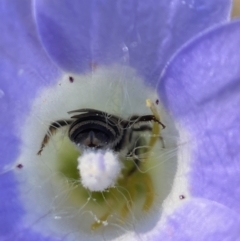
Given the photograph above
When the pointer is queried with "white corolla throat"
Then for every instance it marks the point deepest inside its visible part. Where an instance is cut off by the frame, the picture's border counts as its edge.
(98, 169)
(114, 193)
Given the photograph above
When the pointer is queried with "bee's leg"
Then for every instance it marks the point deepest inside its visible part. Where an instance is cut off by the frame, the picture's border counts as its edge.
(145, 118)
(51, 130)
(142, 128)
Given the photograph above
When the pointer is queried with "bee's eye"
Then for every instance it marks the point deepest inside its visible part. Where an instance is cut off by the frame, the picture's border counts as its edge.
(94, 132)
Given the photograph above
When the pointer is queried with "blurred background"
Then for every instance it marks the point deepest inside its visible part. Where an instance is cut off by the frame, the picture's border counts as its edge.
(236, 8)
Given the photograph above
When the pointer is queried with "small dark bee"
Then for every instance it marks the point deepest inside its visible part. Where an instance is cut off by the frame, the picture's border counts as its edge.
(100, 130)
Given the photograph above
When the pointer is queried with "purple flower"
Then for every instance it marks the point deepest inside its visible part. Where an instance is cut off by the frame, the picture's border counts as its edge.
(68, 56)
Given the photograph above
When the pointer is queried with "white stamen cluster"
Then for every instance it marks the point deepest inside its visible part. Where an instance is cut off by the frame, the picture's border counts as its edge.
(98, 169)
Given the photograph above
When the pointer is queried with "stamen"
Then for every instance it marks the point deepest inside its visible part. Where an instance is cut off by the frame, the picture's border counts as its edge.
(101, 221)
(156, 128)
(149, 191)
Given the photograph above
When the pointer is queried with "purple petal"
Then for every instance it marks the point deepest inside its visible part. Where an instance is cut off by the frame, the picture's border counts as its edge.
(201, 88)
(24, 70)
(143, 34)
(201, 220)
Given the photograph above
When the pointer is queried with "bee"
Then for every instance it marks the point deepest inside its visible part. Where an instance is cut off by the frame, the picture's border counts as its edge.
(95, 129)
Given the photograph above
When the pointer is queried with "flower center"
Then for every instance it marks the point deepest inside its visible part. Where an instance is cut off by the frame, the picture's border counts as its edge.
(56, 185)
